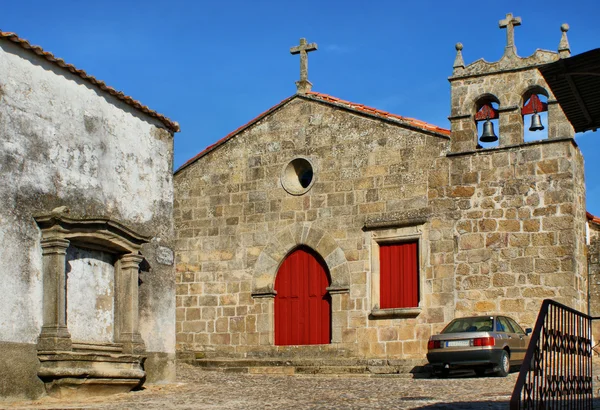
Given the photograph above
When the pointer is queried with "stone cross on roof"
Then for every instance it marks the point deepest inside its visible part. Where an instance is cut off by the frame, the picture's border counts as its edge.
(303, 85)
(509, 23)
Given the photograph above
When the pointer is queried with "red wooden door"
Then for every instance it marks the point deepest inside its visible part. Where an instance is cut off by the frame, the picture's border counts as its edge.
(399, 275)
(302, 304)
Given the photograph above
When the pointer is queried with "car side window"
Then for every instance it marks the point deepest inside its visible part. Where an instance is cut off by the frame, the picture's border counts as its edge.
(502, 325)
(516, 327)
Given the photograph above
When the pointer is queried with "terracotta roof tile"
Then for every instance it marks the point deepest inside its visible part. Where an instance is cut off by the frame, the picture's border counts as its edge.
(329, 99)
(173, 126)
(592, 218)
(380, 113)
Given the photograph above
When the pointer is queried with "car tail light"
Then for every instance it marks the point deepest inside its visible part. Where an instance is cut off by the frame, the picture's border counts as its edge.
(434, 344)
(484, 341)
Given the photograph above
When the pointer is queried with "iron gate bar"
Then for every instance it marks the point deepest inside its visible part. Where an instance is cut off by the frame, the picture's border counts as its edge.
(557, 370)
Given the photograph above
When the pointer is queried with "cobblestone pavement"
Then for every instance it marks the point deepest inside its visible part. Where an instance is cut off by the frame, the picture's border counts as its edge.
(198, 389)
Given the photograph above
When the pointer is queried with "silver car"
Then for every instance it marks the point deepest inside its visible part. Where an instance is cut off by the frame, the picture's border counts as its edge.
(479, 343)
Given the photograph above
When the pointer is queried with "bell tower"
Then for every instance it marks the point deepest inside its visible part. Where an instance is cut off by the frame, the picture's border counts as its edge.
(493, 104)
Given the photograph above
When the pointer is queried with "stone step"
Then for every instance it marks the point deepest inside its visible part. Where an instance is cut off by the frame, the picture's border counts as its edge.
(234, 362)
(330, 369)
(335, 366)
(227, 369)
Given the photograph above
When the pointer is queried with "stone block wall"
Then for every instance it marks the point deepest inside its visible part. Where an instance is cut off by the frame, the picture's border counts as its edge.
(594, 276)
(511, 223)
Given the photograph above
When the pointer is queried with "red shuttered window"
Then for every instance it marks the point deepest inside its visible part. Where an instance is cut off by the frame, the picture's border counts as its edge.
(399, 275)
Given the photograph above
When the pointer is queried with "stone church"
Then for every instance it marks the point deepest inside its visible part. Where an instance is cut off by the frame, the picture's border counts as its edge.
(328, 229)
(322, 229)
(87, 286)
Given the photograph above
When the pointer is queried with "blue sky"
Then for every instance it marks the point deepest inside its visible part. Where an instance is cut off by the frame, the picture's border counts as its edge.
(214, 65)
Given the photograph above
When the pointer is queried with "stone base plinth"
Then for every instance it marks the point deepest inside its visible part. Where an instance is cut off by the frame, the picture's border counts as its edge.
(71, 374)
(72, 387)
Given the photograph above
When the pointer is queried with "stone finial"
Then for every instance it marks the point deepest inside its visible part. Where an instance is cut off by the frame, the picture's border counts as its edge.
(458, 61)
(303, 85)
(509, 23)
(564, 50)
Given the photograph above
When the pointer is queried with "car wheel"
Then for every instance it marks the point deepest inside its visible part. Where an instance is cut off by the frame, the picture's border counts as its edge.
(504, 364)
(480, 371)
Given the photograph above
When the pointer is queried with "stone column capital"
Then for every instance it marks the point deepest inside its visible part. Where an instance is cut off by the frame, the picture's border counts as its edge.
(131, 261)
(57, 246)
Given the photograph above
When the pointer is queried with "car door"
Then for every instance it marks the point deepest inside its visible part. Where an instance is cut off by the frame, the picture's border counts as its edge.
(513, 341)
(523, 338)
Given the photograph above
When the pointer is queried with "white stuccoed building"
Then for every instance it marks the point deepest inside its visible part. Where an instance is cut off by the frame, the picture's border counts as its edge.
(87, 295)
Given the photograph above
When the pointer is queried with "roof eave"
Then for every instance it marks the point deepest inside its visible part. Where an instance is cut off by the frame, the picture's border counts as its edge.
(232, 134)
(390, 120)
(575, 82)
(39, 51)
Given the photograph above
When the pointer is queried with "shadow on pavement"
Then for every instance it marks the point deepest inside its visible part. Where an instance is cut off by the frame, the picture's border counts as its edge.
(467, 405)
(472, 405)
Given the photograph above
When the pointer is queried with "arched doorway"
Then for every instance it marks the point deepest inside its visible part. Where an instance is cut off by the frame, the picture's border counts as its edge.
(302, 303)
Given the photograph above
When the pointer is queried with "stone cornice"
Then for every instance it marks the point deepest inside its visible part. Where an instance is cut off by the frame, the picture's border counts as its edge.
(395, 313)
(505, 65)
(335, 290)
(509, 147)
(401, 219)
(264, 294)
(105, 231)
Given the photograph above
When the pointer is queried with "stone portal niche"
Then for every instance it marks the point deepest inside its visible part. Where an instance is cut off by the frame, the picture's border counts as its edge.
(90, 341)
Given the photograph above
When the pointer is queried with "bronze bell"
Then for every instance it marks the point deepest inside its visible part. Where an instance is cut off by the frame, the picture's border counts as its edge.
(488, 134)
(536, 122)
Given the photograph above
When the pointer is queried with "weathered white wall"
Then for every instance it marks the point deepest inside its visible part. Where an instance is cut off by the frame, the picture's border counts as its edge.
(90, 295)
(20, 277)
(65, 142)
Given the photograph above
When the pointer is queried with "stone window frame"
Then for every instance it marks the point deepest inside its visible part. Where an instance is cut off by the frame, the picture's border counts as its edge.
(285, 175)
(393, 233)
(58, 232)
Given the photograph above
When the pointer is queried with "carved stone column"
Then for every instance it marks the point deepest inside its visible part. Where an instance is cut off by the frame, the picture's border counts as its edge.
(54, 335)
(126, 304)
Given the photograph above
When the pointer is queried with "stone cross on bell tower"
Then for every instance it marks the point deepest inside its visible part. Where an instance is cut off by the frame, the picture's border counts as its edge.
(303, 85)
(509, 23)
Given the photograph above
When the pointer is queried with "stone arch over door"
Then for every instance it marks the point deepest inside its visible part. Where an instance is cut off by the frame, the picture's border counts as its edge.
(286, 240)
(273, 255)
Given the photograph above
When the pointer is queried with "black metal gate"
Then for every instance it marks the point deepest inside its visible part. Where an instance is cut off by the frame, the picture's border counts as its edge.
(557, 370)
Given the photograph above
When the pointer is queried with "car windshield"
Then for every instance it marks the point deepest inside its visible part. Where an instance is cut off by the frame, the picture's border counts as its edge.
(469, 324)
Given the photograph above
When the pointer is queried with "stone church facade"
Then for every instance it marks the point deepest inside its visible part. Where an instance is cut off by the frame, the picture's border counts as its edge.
(87, 288)
(318, 184)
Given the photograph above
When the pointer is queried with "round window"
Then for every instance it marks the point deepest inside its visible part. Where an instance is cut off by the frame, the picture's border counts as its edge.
(298, 176)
